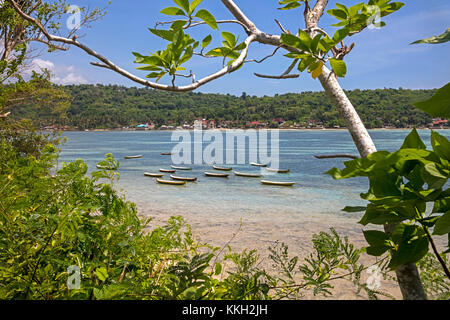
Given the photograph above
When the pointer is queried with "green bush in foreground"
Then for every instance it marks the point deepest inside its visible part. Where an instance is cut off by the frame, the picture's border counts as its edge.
(56, 221)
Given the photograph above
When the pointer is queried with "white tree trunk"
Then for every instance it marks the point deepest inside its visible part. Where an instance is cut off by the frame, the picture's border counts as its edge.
(408, 276)
(359, 133)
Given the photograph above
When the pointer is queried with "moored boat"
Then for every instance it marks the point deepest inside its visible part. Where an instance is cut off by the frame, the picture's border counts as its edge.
(171, 182)
(222, 168)
(217, 175)
(246, 174)
(166, 153)
(278, 183)
(180, 168)
(133, 157)
(167, 170)
(153, 175)
(278, 170)
(258, 164)
(183, 178)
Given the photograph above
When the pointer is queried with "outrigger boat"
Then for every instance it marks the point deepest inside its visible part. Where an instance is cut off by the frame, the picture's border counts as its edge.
(278, 170)
(217, 175)
(278, 183)
(258, 164)
(133, 157)
(181, 168)
(176, 183)
(167, 170)
(222, 168)
(154, 175)
(182, 178)
(249, 175)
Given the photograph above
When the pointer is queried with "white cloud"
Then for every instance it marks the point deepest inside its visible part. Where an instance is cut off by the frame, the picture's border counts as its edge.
(60, 74)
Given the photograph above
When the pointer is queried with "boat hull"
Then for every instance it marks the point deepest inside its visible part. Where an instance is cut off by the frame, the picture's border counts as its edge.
(278, 170)
(258, 164)
(222, 169)
(217, 175)
(133, 157)
(153, 175)
(278, 183)
(180, 168)
(248, 175)
(167, 170)
(183, 178)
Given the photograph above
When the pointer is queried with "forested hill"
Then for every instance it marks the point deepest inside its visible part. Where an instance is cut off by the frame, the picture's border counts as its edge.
(99, 106)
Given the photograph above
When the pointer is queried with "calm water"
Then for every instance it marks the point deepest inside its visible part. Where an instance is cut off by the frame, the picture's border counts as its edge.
(313, 194)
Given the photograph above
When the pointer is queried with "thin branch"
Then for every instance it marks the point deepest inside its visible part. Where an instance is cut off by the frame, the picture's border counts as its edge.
(197, 23)
(285, 75)
(265, 58)
(281, 27)
(110, 65)
(436, 253)
(332, 156)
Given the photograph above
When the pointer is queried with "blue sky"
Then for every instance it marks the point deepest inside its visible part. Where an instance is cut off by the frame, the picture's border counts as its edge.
(381, 58)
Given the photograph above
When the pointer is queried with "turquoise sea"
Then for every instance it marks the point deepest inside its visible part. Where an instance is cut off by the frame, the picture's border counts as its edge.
(314, 193)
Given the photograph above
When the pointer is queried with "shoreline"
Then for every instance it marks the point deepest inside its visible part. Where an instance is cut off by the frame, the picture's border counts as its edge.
(256, 129)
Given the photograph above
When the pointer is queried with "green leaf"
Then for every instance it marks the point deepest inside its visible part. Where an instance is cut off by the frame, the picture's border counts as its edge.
(337, 13)
(165, 34)
(377, 241)
(101, 273)
(173, 11)
(440, 145)
(293, 41)
(436, 39)
(194, 5)
(413, 141)
(442, 226)
(340, 35)
(206, 16)
(290, 6)
(206, 41)
(438, 105)
(339, 67)
(184, 4)
(412, 245)
(218, 269)
(230, 39)
(354, 209)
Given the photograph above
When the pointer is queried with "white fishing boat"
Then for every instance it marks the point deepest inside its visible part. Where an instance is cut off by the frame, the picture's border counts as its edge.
(247, 174)
(171, 182)
(217, 175)
(278, 183)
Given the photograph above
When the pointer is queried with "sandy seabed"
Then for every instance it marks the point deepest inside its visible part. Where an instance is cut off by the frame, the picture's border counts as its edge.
(254, 231)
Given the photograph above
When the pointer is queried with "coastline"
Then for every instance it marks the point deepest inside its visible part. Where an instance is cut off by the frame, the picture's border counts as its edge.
(257, 129)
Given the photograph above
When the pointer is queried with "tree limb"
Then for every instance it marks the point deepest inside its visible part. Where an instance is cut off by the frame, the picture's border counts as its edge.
(106, 63)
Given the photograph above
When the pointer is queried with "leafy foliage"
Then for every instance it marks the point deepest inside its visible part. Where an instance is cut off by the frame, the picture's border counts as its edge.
(112, 106)
(445, 37)
(402, 183)
(314, 51)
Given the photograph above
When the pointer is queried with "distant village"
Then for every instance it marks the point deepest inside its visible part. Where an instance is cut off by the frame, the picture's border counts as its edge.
(278, 123)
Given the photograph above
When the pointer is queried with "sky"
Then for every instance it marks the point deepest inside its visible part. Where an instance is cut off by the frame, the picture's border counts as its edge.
(382, 58)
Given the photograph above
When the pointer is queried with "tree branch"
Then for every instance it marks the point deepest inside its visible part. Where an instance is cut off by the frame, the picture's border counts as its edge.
(285, 74)
(106, 63)
(333, 156)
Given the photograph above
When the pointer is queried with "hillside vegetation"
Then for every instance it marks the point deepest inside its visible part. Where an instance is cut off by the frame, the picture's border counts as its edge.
(112, 106)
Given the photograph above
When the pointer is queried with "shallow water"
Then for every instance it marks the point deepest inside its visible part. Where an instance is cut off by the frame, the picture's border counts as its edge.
(314, 193)
(238, 211)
